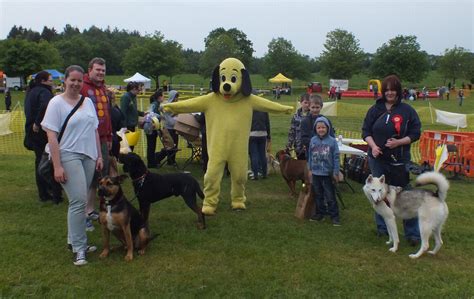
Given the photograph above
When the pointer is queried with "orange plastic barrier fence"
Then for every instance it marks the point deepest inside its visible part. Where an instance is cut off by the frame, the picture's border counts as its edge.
(464, 142)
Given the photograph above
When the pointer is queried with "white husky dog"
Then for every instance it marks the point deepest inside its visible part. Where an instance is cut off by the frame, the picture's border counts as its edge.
(430, 207)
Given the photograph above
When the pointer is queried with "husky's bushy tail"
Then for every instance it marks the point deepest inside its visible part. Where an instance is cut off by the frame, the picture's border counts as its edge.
(437, 179)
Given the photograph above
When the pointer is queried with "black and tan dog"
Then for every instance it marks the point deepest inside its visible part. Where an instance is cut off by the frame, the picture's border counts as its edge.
(152, 187)
(119, 216)
(293, 170)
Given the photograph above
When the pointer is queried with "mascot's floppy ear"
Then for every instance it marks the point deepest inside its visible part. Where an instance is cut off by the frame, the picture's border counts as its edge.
(215, 81)
(246, 87)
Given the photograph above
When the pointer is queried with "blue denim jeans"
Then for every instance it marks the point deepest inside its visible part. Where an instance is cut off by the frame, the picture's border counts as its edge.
(79, 170)
(410, 226)
(325, 197)
(258, 159)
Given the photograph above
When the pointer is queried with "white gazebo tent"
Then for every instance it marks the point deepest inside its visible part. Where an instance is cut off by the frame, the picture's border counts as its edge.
(140, 79)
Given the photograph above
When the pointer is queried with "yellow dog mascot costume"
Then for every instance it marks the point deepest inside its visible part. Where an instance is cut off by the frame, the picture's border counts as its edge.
(228, 111)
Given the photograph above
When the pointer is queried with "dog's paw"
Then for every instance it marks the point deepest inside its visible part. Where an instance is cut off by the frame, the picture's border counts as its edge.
(432, 252)
(413, 256)
(208, 211)
(141, 251)
(201, 225)
(104, 254)
(129, 257)
(393, 249)
(388, 242)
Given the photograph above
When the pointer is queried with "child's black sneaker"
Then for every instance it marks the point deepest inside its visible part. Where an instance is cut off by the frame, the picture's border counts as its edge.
(316, 218)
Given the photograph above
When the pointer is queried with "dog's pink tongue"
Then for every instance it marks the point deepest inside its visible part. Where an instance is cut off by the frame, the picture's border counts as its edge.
(227, 96)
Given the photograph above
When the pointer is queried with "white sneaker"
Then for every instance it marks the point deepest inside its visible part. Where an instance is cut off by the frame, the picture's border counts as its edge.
(80, 258)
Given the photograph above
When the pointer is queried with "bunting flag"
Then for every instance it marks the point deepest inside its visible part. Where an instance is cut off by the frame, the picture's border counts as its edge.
(441, 156)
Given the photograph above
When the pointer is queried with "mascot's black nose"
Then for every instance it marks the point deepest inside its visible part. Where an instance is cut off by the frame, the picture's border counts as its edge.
(226, 87)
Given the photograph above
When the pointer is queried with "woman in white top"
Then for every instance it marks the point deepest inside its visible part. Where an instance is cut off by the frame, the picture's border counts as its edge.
(77, 156)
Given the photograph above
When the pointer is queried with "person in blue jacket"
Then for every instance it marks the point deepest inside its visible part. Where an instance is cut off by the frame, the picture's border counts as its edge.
(323, 163)
(389, 128)
(307, 122)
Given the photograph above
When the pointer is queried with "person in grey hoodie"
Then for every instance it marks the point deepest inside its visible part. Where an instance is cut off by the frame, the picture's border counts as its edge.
(169, 122)
(323, 163)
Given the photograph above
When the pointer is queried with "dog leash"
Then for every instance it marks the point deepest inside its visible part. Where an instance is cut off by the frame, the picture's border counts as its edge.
(140, 180)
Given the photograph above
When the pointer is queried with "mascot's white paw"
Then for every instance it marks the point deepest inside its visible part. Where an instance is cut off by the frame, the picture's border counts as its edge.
(413, 256)
(208, 211)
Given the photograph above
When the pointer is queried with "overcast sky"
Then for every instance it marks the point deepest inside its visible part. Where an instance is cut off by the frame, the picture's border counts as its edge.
(437, 24)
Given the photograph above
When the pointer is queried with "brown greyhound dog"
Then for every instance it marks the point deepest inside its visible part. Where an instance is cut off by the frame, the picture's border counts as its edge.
(293, 170)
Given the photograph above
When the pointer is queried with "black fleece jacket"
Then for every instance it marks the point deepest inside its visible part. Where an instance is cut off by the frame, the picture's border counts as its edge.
(382, 124)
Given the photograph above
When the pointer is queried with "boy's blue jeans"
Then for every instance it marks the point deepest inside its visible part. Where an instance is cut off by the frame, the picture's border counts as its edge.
(324, 189)
(410, 226)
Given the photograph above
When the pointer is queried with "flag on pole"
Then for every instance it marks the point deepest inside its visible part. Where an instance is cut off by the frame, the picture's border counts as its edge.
(441, 156)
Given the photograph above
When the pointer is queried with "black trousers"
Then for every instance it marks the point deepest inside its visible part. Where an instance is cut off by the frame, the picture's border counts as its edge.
(151, 147)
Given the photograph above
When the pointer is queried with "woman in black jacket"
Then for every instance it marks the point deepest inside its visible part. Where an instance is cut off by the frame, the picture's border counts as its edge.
(389, 128)
(36, 102)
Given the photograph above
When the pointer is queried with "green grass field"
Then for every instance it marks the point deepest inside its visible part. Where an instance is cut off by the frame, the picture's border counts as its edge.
(259, 253)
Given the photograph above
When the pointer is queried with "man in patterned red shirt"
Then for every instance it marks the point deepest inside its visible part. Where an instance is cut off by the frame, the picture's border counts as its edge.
(94, 88)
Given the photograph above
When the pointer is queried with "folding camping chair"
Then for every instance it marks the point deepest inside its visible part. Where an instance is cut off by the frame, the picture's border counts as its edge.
(196, 151)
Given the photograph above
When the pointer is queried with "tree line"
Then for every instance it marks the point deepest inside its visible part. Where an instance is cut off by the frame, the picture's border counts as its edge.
(25, 51)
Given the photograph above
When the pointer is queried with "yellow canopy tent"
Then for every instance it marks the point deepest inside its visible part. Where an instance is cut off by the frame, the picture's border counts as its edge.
(280, 78)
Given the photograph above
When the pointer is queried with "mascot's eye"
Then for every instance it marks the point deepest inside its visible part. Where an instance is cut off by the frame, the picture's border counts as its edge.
(233, 79)
(223, 78)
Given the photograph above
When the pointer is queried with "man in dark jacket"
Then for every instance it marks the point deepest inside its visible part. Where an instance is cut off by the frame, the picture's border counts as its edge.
(36, 102)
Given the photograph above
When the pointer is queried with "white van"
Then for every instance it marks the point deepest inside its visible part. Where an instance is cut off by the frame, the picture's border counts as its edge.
(14, 83)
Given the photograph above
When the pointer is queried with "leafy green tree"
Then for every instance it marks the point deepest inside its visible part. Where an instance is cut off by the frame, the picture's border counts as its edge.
(70, 31)
(15, 32)
(314, 64)
(342, 56)
(23, 33)
(49, 34)
(455, 63)
(105, 49)
(23, 58)
(74, 50)
(154, 56)
(191, 61)
(218, 49)
(244, 50)
(283, 58)
(256, 66)
(401, 56)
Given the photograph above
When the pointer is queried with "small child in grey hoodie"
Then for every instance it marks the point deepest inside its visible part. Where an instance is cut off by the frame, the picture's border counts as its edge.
(323, 162)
